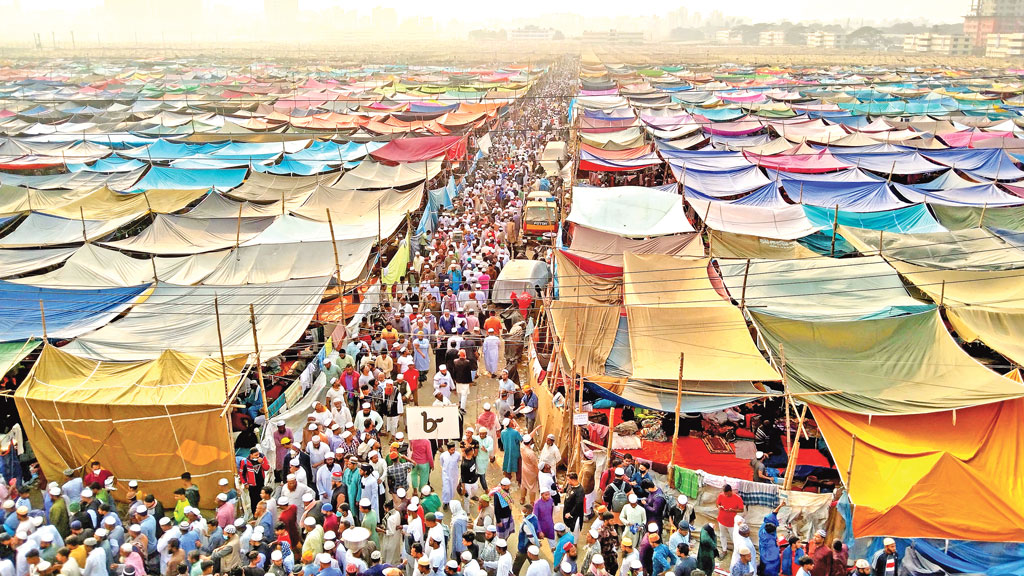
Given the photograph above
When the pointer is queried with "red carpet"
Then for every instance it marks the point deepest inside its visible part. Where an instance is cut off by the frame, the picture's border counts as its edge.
(691, 453)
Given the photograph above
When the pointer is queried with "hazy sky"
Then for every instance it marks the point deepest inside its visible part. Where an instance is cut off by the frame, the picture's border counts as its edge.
(477, 10)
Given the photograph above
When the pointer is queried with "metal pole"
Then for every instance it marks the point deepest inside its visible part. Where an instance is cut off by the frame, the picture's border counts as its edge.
(259, 365)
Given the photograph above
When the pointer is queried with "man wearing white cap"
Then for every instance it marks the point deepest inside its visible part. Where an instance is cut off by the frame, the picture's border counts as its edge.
(313, 536)
(443, 382)
(633, 516)
(317, 450)
(484, 454)
(293, 492)
(491, 350)
(886, 561)
(538, 566)
(503, 565)
(324, 474)
(550, 453)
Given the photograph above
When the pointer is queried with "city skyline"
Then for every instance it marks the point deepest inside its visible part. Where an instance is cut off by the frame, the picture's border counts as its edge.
(102, 21)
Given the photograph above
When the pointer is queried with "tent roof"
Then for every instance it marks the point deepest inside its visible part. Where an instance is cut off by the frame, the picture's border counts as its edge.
(935, 475)
(900, 365)
(673, 309)
(820, 289)
(182, 318)
(172, 378)
(653, 212)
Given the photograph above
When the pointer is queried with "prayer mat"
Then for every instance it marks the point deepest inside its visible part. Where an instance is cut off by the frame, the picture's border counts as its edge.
(717, 445)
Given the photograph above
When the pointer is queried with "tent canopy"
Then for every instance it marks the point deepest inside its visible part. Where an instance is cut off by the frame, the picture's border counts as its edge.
(149, 420)
(900, 365)
(933, 475)
(820, 289)
(653, 212)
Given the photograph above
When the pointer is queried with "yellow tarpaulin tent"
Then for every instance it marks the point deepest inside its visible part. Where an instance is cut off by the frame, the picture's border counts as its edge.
(954, 474)
(147, 421)
(674, 309)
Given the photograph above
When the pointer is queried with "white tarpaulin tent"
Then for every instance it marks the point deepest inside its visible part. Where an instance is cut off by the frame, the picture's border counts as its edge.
(651, 212)
(182, 235)
(182, 318)
(369, 174)
(14, 262)
(44, 230)
(280, 262)
(94, 267)
(775, 223)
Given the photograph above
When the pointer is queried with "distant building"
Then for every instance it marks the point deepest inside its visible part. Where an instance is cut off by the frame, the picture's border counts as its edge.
(531, 33)
(613, 37)
(826, 40)
(944, 44)
(771, 38)
(728, 37)
(485, 35)
(1004, 45)
(993, 17)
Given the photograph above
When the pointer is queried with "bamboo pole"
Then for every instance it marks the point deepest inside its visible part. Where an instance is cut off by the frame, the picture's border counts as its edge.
(795, 453)
(85, 236)
(835, 228)
(785, 387)
(743, 294)
(238, 226)
(981, 221)
(880, 233)
(259, 365)
(220, 343)
(337, 264)
(42, 318)
(942, 294)
(849, 469)
(679, 403)
(611, 436)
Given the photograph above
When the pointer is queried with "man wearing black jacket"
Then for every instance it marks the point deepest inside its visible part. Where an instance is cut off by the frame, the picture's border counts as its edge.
(573, 506)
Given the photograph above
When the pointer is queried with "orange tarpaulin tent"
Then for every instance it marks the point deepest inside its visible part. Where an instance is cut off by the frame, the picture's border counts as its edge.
(954, 474)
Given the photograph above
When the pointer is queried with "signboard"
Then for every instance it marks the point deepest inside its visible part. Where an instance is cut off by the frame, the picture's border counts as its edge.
(432, 422)
(581, 419)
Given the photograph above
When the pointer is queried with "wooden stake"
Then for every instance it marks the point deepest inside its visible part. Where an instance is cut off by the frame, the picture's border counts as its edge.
(220, 343)
(679, 402)
(259, 365)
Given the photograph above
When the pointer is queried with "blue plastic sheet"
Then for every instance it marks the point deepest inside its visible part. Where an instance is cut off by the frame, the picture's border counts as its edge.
(912, 220)
(68, 313)
(988, 163)
(160, 177)
(849, 196)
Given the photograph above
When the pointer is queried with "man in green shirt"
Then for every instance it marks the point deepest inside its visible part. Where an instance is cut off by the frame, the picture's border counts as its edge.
(59, 516)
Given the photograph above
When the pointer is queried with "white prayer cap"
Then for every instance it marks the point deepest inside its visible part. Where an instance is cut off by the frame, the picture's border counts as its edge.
(282, 501)
(632, 498)
(323, 558)
(533, 550)
(307, 497)
(309, 521)
(619, 471)
(222, 497)
(682, 500)
(566, 568)
(597, 559)
(743, 550)
(276, 556)
(501, 543)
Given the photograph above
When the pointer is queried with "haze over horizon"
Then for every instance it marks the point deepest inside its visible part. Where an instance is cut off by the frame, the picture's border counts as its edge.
(102, 21)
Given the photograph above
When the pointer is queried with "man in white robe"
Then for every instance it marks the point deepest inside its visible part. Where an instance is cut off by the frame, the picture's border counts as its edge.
(491, 348)
(449, 472)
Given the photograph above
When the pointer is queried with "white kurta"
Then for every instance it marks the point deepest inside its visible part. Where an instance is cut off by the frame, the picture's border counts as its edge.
(449, 475)
(491, 348)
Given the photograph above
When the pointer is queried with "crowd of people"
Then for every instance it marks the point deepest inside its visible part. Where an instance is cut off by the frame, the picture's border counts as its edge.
(348, 491)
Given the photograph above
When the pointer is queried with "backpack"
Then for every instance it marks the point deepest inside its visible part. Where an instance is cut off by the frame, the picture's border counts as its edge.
(619, 498)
